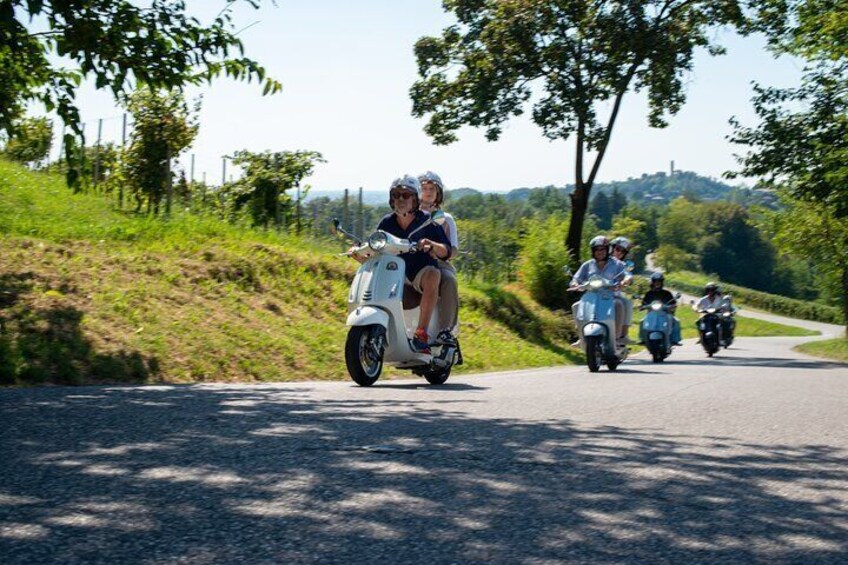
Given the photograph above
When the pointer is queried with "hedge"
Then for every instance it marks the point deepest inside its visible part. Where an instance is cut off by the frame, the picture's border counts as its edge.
(770, 302)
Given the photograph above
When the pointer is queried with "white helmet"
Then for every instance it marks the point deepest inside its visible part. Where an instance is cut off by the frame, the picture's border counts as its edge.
(599, 241)
(430, 176)
(622, 242)
(408, 182)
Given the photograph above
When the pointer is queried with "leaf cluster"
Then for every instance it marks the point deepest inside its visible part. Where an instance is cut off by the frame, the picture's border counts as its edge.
(120, 44)
(572, 54)
(802, 138)
(31, 140)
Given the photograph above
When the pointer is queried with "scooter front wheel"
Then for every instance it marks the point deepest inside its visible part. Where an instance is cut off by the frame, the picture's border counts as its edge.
(364, 354)
(594, 353)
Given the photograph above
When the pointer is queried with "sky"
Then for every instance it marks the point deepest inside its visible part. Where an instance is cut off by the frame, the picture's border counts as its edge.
(346, 69)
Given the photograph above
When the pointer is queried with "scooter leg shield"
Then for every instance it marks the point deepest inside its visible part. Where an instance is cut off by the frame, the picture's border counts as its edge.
(592, 329)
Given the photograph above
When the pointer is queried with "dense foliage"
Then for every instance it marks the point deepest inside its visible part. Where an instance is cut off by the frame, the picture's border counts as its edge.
(164, 126)
(800, 145)
(30, 141)
(268, 178)
(118, 43)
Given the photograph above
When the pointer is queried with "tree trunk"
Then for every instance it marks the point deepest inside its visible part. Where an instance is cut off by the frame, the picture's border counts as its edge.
(579, 206)
(845, 298)
(169, 183)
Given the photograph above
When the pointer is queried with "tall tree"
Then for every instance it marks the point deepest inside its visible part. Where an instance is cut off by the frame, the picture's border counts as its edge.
(601, 208)
(800, 145)
(576, 56)
(164, 127)
(117, 42)
(267, 178)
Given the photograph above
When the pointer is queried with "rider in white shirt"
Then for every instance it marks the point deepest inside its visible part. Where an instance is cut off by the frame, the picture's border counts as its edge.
(606, 266)
(621, 246)
(713, 299)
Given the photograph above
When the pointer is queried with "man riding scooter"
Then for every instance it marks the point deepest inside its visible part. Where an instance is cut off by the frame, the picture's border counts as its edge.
(658, 293)
(422, 272)
(606, 266)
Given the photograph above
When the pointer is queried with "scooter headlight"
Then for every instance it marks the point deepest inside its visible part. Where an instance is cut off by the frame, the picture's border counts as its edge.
(377, 240)
(656, 306)
(596, 284)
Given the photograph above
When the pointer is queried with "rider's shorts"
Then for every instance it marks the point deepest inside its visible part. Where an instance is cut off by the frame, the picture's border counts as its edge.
(416, 282)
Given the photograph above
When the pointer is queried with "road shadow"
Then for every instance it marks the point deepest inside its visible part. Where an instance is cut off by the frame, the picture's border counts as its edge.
(269, 475)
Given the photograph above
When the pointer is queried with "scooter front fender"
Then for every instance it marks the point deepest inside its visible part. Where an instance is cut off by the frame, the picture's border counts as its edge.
(368, 316)
(593, 329)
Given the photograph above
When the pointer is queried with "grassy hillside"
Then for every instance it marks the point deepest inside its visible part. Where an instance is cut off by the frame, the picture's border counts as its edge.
(89, 294)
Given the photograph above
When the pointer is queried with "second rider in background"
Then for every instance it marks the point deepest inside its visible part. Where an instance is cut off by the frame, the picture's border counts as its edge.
(432, 197)
(620, 248)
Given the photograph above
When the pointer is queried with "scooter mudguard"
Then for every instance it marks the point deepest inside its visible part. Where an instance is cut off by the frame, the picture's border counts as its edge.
(656, 335)
(367, 316)
(591, 329)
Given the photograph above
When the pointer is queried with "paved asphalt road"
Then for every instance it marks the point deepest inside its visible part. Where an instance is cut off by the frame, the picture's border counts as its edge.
(737, 459)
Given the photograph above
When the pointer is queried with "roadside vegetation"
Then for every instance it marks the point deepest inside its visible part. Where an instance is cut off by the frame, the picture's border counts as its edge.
(89, 294)
(836, 349)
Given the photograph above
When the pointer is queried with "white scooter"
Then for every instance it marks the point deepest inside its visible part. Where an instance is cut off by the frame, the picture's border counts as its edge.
(595, 317)
(655, 329)
(381, 329)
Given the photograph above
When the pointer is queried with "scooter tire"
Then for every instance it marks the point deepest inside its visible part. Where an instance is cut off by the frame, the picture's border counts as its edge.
(355, 356)
(655, 347)
(593, 352)
(437, 376)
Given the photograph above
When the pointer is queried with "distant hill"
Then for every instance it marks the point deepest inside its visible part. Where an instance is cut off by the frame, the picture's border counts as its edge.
(659, 188)
(662, 187)
(656, 188)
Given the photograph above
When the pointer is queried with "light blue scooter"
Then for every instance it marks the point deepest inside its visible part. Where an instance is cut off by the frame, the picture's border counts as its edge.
(656, 329)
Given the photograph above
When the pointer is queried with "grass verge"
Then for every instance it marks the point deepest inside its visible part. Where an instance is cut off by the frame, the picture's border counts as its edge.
(836, 349)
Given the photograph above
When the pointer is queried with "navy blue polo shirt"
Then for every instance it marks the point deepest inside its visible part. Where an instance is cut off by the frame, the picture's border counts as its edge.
(417, 260)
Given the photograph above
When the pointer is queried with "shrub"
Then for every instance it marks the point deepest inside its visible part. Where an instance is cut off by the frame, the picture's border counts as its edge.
(543, 256)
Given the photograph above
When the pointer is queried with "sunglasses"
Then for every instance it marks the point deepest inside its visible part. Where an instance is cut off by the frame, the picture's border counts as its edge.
(401, 195)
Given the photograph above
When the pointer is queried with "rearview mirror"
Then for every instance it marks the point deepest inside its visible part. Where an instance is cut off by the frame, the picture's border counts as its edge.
(566, 270)
(629, 265)
(438, 217)
(676, 295)
(334, 228)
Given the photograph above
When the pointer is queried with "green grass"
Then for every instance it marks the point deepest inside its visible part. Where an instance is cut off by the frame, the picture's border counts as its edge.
(91, 294)
(836, 349)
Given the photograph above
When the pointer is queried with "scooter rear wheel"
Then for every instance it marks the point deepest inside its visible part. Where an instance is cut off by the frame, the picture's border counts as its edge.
(437, 376)
(364, 356)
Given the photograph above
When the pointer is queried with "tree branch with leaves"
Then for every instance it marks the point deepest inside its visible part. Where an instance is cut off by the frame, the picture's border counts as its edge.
(566, 59)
